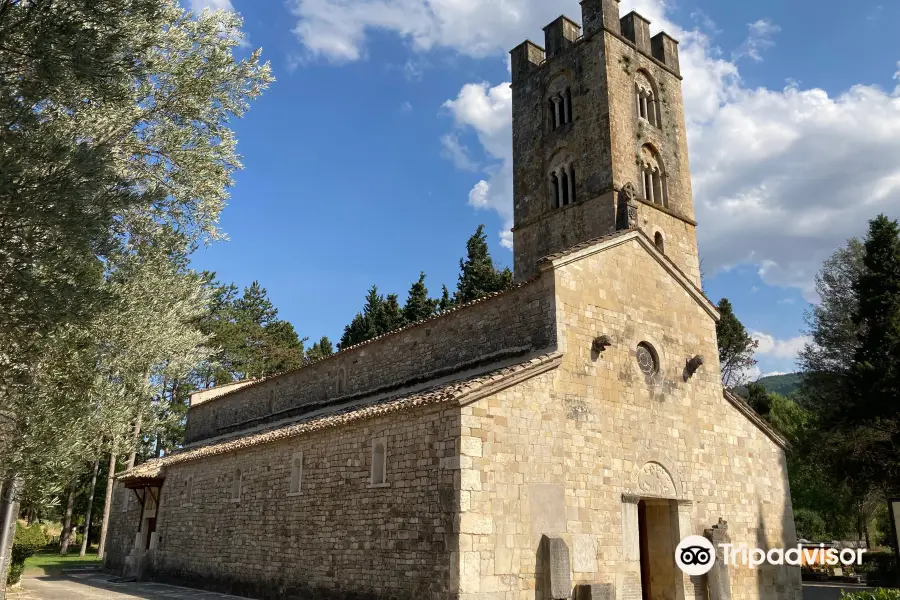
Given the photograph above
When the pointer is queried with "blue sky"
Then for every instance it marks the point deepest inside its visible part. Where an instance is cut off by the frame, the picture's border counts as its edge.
(385, 141)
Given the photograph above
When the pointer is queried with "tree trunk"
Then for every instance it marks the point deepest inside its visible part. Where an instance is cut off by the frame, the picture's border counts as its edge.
(110, 482)
(87, 517)
(67, 522)
(9, 508)
(136, 434)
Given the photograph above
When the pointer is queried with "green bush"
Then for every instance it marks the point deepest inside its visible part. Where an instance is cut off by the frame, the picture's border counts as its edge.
(28, 540)
(876, 594)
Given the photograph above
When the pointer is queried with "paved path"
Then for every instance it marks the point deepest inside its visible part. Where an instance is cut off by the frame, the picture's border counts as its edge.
(94, 585)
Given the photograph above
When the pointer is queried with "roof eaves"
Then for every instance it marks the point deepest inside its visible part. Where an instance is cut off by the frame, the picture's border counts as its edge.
(463, 391)
(754, 417)
(393, 332)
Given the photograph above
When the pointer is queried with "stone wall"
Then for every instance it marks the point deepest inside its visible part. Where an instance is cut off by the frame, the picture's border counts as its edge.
(125, 512)
(585, 142)
(629, 134)
(516, 321)
(603, 142)
(340, 537)
(561, 453)
(563, 228)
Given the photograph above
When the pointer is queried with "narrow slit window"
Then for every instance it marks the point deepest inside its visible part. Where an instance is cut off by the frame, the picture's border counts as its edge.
(379, 462)
(189, 490)
(296, 473)
(565, 188)
(236, 485)
(567, 100)
(660, 243)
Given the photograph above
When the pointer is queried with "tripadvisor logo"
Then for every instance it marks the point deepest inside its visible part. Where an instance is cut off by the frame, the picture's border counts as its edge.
(696, 555)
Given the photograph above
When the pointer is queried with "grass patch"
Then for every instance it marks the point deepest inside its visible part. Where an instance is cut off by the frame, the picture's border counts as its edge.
(46, 562)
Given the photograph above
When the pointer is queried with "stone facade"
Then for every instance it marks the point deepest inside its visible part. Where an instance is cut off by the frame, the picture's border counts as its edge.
(553, 441)
(604, 139)
(490, 329)
(563, 453)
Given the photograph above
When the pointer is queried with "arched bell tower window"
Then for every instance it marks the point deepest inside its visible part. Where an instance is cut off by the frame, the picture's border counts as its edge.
(559, 107)
(647, 99)
(653, 177)
(562, 184)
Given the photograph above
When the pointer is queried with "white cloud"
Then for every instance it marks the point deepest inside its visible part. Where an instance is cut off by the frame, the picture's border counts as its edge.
(488, 111)
(781, 177)
(454, 150)
(406, 107)
(759, 39)
(775, 348)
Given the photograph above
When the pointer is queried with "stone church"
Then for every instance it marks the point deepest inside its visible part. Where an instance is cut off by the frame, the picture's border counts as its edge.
(556, 440)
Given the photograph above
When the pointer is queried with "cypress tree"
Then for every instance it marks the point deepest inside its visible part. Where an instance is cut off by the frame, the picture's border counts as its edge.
(365, 325)
(418, 305)
(446, 302)
(320, 349)
(875, 374)
(391, 315)
(477, 274)
(735, 346)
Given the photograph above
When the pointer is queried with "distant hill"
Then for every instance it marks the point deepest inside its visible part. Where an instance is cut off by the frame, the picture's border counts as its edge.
(777, 384)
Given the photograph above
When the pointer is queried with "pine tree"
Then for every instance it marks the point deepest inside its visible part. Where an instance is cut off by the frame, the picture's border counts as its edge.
(478, 276)
(418, 305)
(735, 347)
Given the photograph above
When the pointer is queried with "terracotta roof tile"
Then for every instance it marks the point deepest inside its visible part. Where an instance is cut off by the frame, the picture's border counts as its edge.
(393, 332)
(340, 416)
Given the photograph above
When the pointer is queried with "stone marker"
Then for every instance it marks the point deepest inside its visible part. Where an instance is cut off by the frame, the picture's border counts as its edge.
(718, 580)
(557, 570)
(594, 591)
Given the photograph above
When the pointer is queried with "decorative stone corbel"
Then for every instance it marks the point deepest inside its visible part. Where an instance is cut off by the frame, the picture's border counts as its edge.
(691, 366)
(601, 343)
(627, 212)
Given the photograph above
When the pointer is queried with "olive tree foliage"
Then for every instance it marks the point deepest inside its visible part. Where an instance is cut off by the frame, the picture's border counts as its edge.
(116, 156)
(99, 381)
(115, 121)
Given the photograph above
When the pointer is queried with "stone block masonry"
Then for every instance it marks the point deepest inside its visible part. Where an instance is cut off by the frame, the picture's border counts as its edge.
(516, 322)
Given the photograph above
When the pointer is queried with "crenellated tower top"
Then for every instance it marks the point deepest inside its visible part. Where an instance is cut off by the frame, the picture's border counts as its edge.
(594, 110)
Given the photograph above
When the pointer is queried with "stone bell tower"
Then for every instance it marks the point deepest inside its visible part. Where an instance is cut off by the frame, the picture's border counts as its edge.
(599, 141)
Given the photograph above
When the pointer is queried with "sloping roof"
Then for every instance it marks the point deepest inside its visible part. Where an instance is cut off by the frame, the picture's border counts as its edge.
(753, 416)
(393, 332)
(463, 390)
(600, 244)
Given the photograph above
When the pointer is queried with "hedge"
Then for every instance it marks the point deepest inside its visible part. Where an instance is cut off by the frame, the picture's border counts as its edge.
(28, 540)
